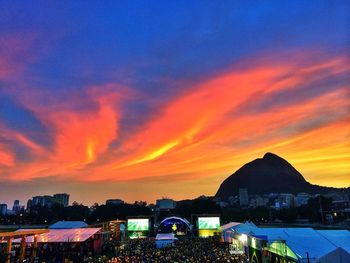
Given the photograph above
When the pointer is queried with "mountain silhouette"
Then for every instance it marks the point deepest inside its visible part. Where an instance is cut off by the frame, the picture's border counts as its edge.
(270, 174)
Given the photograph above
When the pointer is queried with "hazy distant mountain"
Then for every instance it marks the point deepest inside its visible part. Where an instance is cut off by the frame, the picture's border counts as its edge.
(270, 174)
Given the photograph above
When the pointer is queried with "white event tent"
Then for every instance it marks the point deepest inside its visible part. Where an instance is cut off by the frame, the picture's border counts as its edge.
(63, 235)
(302, 244)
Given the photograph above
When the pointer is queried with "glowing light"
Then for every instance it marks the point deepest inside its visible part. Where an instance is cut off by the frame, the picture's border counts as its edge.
(90, 151)
(155, 154)
(243, 238)
(174, 227)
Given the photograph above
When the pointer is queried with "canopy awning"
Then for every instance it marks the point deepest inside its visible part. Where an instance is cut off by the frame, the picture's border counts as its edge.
(229, 225)
(22, 232)
(68, 224)
(63, 235)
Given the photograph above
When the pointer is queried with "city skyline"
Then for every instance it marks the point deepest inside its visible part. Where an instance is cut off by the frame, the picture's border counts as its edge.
(137, 100)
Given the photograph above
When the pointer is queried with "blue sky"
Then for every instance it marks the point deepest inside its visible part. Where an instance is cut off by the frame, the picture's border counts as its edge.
(126, 65)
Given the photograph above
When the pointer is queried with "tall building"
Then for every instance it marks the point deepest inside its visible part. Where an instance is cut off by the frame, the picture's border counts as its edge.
(3, 209)
(41, 200)
(48, 200)
(302, 199)
(258, 201)
(29, 205)
(114, 202)
(16, 208)
(243, 196)
(62, 199)
(36, 201)
(284, 200)
(165, 204)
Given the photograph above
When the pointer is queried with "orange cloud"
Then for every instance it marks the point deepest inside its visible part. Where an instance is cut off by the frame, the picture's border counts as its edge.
(79, 138)
(7, 158)
(29, 143)
(208, 131)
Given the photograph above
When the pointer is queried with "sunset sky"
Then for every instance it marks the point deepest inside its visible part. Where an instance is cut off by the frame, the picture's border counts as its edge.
(143, 99)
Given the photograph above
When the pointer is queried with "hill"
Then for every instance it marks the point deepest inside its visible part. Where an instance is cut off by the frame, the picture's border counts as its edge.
(270, 174)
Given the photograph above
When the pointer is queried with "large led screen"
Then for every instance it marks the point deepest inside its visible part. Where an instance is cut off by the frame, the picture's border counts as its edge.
(208, 222)
(138, 224)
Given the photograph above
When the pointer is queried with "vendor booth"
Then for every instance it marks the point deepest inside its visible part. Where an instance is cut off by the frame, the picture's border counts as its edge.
(89, 238)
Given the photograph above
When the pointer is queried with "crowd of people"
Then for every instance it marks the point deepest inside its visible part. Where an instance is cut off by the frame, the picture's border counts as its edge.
(187, 250)
(51, 253)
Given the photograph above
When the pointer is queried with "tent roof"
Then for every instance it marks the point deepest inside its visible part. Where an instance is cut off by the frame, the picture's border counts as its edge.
(244, 228)
(167, 236)
(23, 232)
(317, 243)
(314, 245)
(340, 238)
(178, 218)
(229, 225)
(249, 223)
(304, 240)
(281, 233)
(68, 224)
(63, 235)
(338, 255)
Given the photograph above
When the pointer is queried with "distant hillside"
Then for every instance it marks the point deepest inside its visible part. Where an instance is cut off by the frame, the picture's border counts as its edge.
(270, 174)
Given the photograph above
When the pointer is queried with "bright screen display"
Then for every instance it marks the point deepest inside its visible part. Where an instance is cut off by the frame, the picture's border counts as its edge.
(208, 222)
(138, 224)
(207, 232)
